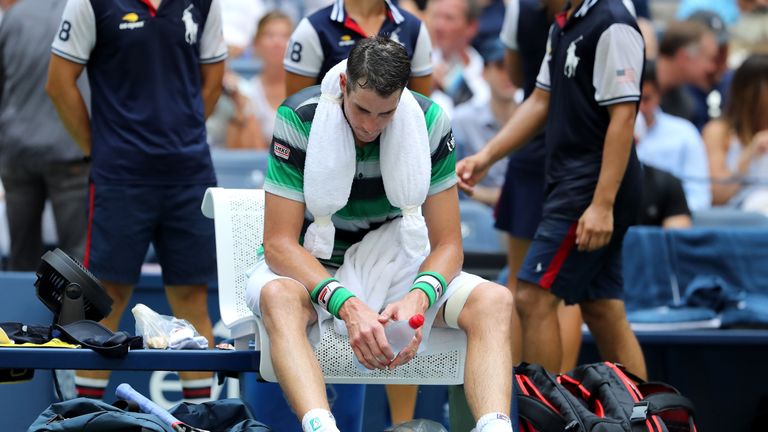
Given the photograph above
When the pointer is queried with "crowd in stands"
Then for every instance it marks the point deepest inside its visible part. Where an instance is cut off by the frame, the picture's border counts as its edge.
(701, 129)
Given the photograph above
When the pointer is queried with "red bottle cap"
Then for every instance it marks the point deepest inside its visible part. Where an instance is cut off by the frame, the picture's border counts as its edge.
(416, 321)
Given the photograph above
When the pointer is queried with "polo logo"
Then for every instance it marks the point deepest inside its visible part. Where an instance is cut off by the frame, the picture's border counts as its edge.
(281, 151)
(451, 143)
(571, 59)
(190, 26)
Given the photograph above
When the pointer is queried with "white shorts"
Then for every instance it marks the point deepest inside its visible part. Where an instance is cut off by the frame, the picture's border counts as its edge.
(455, 297)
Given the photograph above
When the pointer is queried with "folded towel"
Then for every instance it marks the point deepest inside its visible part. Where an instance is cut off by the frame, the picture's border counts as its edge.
(330, 167)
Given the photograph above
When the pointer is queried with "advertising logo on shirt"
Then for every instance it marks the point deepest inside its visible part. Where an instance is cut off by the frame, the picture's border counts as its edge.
(131, 21)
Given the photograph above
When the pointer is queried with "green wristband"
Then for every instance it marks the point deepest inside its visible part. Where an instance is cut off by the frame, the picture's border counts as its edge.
(338, 297)
(427, 289)
(330, 295)
(432, 283)
(316, 290)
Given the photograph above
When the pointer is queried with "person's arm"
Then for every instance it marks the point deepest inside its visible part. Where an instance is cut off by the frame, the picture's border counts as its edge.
(509, 36)
(514, 66)
(303, 59)
(717, 139)
(619, 49)
(526, 121)
(295, 82)
(66, 97)
(421, 64)
(488, 195)
(421, 84)
(212, 75)
(680, 221)
(213, 52)
(595, 226)
(283, 220)
(446, 256)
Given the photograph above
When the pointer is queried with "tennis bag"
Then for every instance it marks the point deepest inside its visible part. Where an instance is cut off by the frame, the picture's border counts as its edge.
(90, 415)
(598, 397)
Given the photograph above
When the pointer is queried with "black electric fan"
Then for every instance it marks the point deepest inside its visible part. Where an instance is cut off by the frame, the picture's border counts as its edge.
(69, 290)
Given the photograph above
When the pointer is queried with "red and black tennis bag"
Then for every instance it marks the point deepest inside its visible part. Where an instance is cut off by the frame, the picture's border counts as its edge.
(599, 397)
(610, 390)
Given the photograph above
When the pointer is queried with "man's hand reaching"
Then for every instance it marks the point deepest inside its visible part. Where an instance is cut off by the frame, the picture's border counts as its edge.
(471, 170)
(366, 334)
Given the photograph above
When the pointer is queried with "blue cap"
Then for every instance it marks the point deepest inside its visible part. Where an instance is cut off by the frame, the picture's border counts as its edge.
(492, 50)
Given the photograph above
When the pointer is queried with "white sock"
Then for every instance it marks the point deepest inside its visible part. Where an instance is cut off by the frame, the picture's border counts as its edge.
(494, 422)
(318, 420)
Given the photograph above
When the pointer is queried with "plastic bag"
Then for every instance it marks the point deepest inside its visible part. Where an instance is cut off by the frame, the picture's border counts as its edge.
(417, 425)
(163, 331)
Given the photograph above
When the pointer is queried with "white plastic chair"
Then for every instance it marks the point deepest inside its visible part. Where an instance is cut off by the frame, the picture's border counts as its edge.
(238, 216)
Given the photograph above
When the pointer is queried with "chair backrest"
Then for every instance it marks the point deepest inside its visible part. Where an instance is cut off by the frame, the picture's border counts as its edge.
(238, 216)
(239, 223)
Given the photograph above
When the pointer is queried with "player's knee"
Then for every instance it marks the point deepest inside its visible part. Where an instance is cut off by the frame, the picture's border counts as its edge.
(279, 294)
(489, 301)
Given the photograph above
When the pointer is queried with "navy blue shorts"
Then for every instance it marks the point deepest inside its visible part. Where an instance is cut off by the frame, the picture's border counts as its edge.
(518, 211)
(124, 219)
(554, 263)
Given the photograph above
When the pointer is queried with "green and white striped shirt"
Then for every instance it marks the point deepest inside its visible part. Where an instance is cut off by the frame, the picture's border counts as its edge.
(368, 207)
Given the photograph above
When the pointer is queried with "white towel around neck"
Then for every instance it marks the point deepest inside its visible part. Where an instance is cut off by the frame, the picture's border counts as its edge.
(331, 163)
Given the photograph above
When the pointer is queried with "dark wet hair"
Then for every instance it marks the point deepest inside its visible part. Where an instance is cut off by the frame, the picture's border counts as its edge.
(379, 64)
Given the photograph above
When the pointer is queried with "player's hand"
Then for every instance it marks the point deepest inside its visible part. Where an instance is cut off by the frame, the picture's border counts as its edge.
(414, 303)
(595, 227)
(366, 334)
(471, 170)
(409, 352)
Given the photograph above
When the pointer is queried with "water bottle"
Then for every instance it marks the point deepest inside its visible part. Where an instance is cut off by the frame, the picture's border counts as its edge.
(399, 335)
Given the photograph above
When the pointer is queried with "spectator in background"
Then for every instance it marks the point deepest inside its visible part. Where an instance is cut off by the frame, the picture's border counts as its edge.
(4, 6)
(750, 33)
(150, 95)
(416, 7)
(257, 99)
(489, 22)
(687, 53)
(475, 123)
(458, 68)
(38, 159)
(325, 38)
(239, 18)
(737, 144)
(672, 144)
(664, 201)
(708, 101)
(728, 10)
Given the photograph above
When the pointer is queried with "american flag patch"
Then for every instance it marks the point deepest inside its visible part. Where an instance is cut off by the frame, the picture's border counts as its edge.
(626, 75)
(281, 151)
